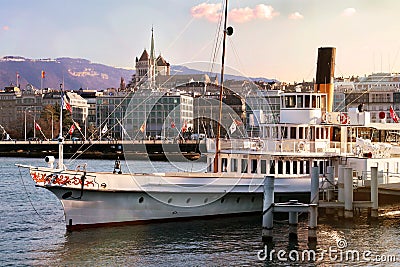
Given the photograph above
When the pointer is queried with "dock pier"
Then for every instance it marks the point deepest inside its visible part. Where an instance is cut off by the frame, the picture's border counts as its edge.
(293, 207)
(344, 205)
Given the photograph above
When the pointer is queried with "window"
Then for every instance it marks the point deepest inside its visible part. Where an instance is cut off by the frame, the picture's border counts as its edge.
(244, 165)
(263, 166)
(224, 164)
(234, 166)
(294, 167)
(253, 166)
(290, 101)
(307, 101)
(300, 101)
(272, 166)
(280, 167)
(301, 169)
(293, 132)
(287, 171)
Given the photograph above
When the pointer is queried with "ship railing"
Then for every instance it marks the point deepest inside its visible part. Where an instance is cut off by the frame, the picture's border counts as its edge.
(384, 177)
(276, 146)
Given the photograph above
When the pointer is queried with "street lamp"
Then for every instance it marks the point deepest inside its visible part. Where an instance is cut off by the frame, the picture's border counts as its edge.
(52, 124)
(25, 119)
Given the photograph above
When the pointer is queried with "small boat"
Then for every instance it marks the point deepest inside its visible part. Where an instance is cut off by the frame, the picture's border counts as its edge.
(308, 134)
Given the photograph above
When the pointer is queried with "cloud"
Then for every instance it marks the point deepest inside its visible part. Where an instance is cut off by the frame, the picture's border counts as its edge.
(296, 16)
(5, 28)
(348, 12)
(211, 12)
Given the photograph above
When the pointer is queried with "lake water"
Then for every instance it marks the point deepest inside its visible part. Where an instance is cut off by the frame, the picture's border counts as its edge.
(32, 233)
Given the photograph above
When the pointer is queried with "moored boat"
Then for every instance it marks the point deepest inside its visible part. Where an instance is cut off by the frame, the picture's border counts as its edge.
(308, 134)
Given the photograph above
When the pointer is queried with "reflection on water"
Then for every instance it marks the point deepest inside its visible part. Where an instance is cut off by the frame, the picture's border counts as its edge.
(33, 233)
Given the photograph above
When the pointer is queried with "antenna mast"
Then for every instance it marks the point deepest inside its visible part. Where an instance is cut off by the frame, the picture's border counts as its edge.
(227, 31)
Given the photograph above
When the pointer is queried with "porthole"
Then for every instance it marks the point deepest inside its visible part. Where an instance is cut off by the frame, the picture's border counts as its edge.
(252, 199)
(205, 200)
(141, 199)
(170, 200)
(188, 200)
(222, 200)
(238, 200)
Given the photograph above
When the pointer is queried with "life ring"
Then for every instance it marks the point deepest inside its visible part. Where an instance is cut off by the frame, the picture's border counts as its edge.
(344, 119)
(260, 145)
(329, 118)
(301, 146)
(323, 118)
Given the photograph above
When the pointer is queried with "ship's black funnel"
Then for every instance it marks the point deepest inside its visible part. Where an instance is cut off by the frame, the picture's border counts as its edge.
(326, 74)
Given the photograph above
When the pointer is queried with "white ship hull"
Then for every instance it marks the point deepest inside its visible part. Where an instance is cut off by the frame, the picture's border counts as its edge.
(113, 199)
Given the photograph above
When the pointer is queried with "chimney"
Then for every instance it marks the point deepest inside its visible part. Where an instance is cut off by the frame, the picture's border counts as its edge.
(326, 74)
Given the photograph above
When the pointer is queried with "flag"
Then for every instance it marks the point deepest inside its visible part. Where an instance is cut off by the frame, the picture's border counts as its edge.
(77, 126)
(238, 122)
(172, 124)
(393, 115)
(143, 127)
(43, 74)
(37, 126)
(72, 129)
(184, 127)
(66, 104)
(232, 129)
(105, 129)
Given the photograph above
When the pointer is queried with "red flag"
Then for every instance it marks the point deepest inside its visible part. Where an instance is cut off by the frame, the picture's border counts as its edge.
(67, 105)
(72, 129)
(77, 126)
(238, 122)
(393, 115)
(43, 74)
(172, 124)
(184, 127)
(37, 126)
(143, 127)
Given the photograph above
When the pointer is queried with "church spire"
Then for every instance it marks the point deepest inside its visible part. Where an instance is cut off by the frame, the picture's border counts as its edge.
(152, 57)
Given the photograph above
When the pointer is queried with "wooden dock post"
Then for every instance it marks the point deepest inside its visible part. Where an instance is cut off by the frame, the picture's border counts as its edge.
(374, 192)
(330, 177)
(312, 222)
(341, 189)
(313, 213)
(348, 192)
(293, 221)
(314, 197)
(268, 215)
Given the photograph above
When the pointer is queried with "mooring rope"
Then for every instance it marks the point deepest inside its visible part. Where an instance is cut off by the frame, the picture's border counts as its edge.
(33, 207)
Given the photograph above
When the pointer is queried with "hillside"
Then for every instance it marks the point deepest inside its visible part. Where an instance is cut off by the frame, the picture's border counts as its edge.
(76, 73)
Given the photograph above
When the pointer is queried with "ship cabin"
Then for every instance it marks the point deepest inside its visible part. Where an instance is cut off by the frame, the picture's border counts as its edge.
(289, 148)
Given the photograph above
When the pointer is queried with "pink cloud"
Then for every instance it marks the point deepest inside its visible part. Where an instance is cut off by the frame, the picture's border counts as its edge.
(6, 28)
(295, 16)
(265, 12)
(211, 12)
(348, 12)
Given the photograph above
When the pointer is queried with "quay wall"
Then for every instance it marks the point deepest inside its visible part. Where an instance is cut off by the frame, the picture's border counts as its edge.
(153, 149)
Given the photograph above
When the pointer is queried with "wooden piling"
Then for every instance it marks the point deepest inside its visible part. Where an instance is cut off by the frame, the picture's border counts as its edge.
(348, 192)
(374, 192)
(268, 215)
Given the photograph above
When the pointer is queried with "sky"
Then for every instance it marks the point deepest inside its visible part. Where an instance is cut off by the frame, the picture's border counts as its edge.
(273, 39)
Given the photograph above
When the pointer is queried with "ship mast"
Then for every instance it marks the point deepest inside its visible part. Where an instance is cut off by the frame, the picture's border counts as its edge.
(60, 137)
(227, 31)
